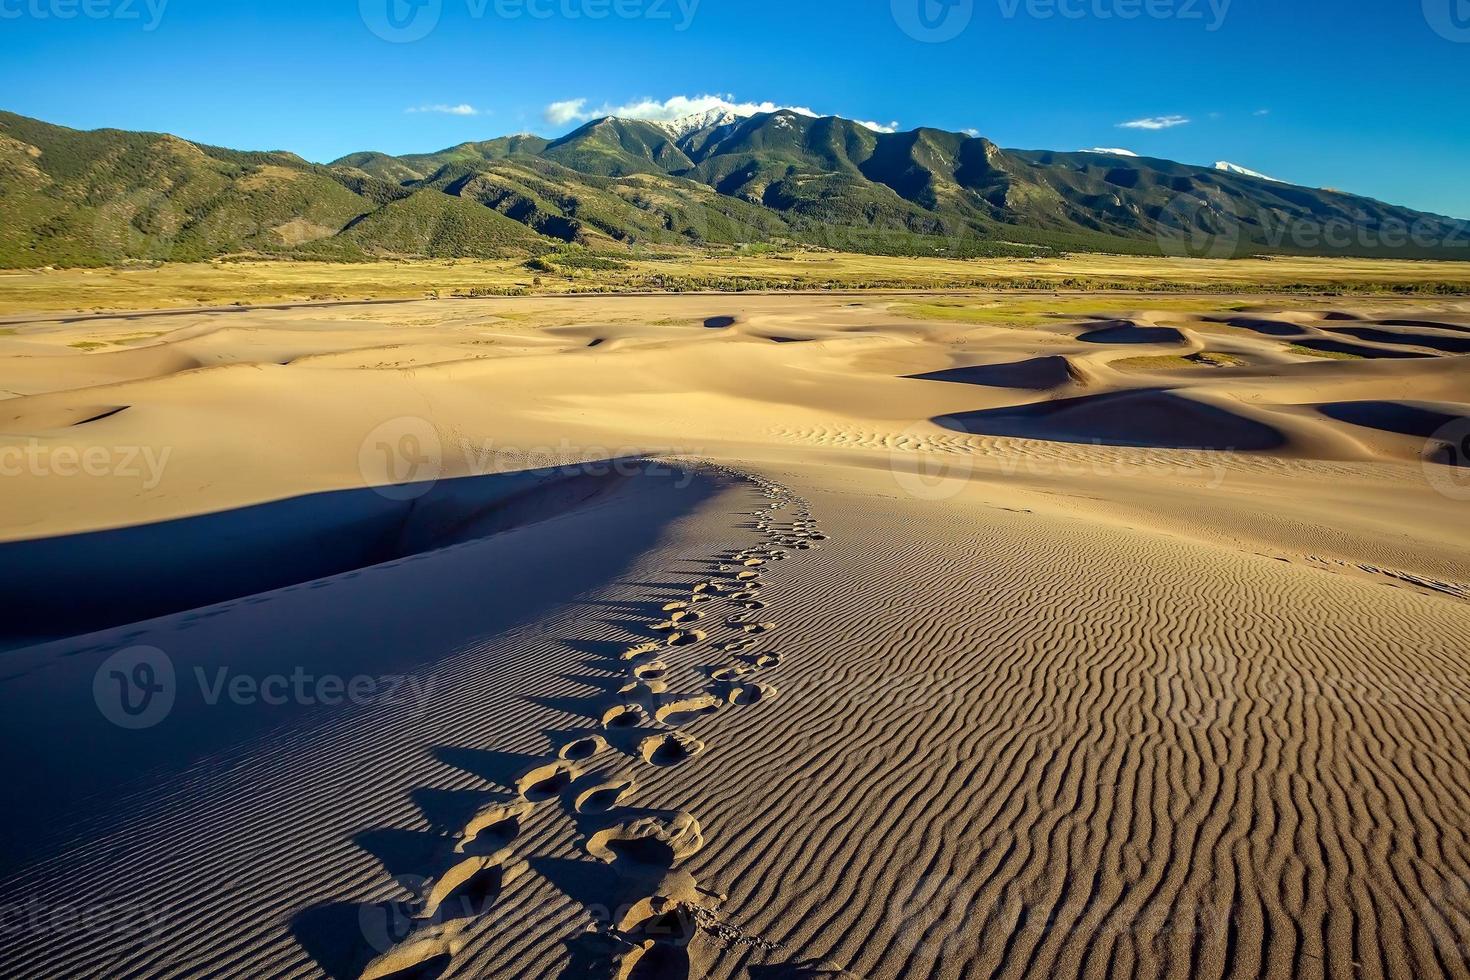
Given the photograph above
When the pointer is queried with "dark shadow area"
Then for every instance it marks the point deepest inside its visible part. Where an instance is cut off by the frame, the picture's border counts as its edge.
(1271, 328)
(1356, 350)
(402, 853)
(1450, 345)
(86, 582)
(1430, 324)
(1400, 417)
(1128, 333)
(1036, 374)
(447, 810)
(500, 768)
(333, 935)
(1149, 419)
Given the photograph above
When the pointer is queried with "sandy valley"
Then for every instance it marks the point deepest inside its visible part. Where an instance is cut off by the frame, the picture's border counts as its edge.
(954, 635)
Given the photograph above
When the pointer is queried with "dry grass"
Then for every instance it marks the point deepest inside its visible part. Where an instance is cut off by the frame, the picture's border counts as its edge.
(1174, 362)
(265, 282)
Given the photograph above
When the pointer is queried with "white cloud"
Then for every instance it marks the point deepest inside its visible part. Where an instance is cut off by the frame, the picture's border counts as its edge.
(1262, 112)
(1156, 122)
(561, 113)
(1111, 150)
(463, 109)
(879, 127)
(971, 132)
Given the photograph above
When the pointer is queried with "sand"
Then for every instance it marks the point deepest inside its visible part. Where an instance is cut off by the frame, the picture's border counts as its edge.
(782, 636)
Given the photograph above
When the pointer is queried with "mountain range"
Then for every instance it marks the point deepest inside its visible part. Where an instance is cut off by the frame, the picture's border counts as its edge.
(616, 185)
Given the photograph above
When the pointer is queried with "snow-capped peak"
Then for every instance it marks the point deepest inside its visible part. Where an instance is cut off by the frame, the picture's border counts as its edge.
(1235, 168)
(1112, 151)
(694, 122)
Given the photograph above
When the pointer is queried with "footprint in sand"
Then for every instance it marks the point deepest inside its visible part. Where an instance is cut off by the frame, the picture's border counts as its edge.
(425, 956)
(748, 576)
(468, 889)
(675, 606)
(604, 796)
(641, 650)
(546, 782)
(740, 619)
(763, 661)
(583, 748)
(739, 646)
(643, 692)
(648, 844)
(654, 960)
(684, 639)
(759, 629)
(493, 827)
(623, 716)
(687, 711)
(726, 675)
(654, 670)
(669, 749)
(750, 694)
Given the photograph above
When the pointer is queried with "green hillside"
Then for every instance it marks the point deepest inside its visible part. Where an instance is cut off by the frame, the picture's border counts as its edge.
(108, 196)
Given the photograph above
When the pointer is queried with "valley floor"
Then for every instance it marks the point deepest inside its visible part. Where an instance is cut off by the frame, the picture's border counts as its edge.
(247, 281)
(753, 636)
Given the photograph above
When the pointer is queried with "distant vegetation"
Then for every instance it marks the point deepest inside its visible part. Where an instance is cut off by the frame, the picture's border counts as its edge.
(1010, 285)
(618, 190)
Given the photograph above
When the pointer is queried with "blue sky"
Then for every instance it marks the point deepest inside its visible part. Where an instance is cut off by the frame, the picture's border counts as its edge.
(1370, 97)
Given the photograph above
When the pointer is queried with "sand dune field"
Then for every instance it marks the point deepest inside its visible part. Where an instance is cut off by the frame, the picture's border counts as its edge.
(738, 637)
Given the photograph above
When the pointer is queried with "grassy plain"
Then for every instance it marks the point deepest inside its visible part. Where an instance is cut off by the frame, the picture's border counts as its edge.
(254, 282)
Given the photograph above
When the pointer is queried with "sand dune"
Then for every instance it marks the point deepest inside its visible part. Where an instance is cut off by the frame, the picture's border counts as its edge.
(756, 637)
